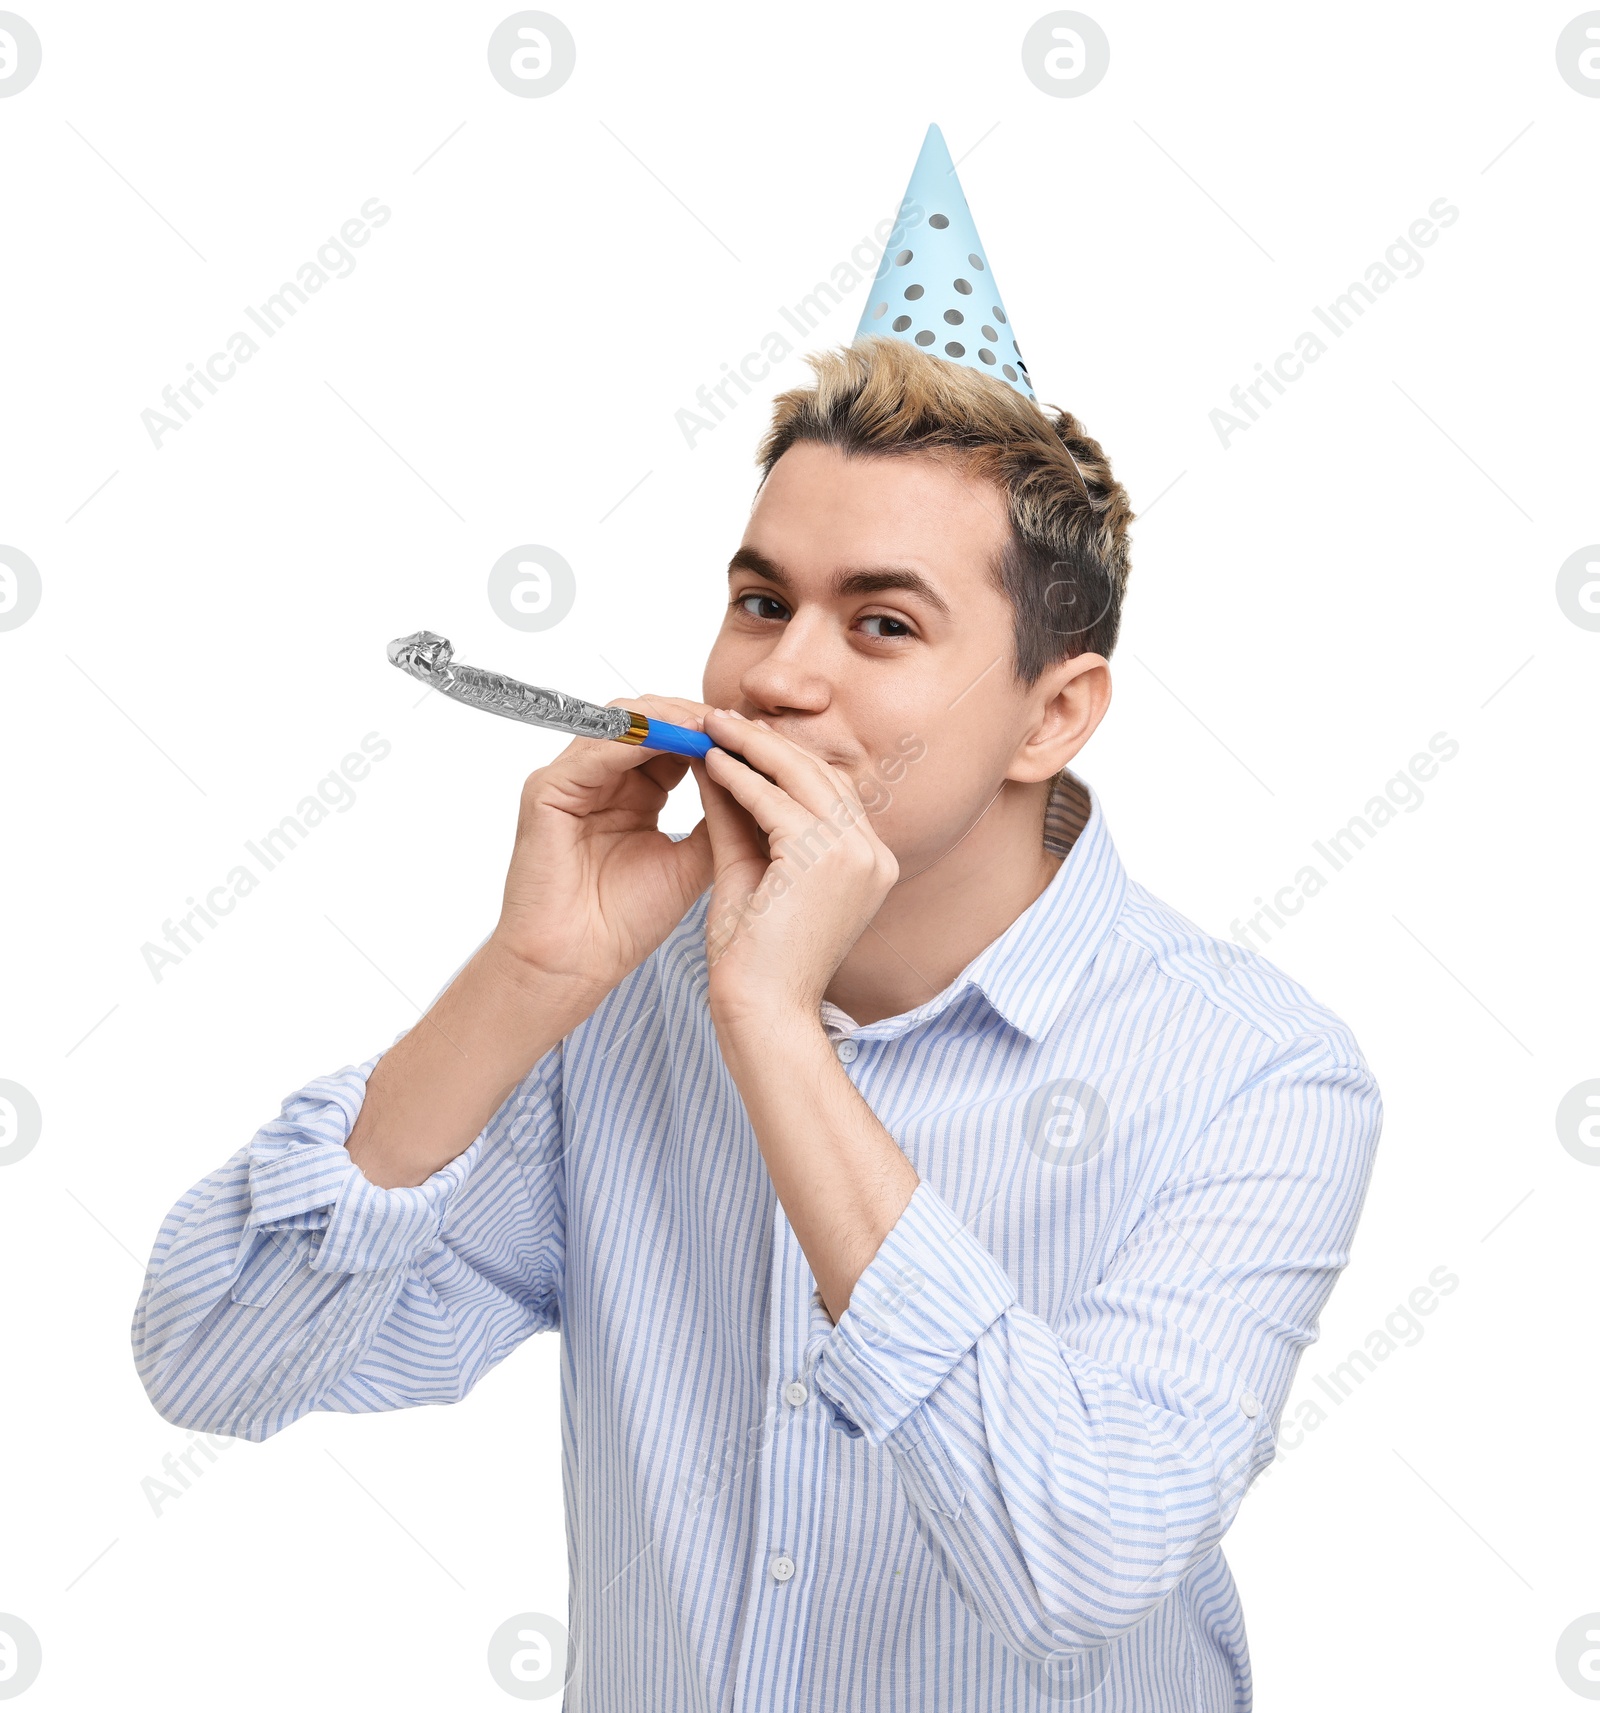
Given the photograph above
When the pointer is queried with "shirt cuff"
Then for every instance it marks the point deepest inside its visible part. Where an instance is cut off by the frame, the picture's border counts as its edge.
(302, 1179)
(922, 1302)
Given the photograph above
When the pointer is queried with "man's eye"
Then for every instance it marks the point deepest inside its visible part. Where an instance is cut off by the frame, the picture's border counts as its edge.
(902, 628)
(762, 601)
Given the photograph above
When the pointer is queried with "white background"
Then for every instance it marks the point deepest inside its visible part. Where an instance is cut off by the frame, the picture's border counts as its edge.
(1373, 562)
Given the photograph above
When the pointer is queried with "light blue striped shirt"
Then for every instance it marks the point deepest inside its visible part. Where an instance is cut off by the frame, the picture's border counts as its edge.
(999, 1483)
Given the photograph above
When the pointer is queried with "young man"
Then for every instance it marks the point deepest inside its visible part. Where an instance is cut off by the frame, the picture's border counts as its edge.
(933, 1218)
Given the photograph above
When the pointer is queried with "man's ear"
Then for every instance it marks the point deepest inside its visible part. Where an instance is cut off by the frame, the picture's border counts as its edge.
(1064, 707)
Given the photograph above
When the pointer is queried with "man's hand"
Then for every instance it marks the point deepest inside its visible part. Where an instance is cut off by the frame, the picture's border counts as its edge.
(798, 873)
(594, 887)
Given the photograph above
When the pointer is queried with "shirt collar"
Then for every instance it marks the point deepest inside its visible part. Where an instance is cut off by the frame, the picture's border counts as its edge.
(1028, 972)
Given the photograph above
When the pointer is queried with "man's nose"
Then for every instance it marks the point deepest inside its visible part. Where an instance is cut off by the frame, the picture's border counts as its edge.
(789, 675)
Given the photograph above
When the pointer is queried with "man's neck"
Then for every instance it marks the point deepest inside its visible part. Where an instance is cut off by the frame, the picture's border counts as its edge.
(937, 919)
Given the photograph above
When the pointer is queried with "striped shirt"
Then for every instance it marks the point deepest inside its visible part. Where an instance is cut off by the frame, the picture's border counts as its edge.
(1000, 1482)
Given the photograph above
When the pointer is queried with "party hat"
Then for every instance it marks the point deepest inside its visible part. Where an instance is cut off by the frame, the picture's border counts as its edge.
(935, 289)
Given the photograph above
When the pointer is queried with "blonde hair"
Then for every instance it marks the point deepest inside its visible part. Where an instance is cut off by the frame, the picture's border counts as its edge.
(1065, 563)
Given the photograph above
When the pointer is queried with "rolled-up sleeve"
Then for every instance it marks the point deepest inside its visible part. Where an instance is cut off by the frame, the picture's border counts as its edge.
(928, 1295)
(286, 1281)
(1067, 1474)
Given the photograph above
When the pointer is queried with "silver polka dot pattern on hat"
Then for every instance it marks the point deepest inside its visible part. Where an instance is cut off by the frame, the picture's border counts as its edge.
(933, 269)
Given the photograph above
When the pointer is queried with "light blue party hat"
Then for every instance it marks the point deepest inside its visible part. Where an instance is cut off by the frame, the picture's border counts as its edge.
(935, 289)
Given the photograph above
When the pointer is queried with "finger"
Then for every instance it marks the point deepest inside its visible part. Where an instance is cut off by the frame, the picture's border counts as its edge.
(693, 855)
(736, 835)
(589, 775)
(779, 815)
(801, 775)
(826, 769)
(840, 805)
(664, 769)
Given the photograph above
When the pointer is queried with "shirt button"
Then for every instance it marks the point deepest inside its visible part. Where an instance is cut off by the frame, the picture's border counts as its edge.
(795, 1392)
(1249, 1403)
(782, 1567)
(846, 1050)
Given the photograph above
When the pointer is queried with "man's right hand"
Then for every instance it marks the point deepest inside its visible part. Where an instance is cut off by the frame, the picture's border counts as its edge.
(594, 886)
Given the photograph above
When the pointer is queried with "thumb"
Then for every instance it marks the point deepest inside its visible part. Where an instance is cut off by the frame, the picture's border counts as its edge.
(692, 858)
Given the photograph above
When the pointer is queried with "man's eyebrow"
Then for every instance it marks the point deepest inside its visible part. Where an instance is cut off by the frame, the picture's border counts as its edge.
(872, 579)
(866, 580)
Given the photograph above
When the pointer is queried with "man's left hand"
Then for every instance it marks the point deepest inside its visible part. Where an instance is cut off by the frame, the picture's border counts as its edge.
(797, 873)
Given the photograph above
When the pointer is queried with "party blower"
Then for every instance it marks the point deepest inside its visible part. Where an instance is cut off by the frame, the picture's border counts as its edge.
(428, 658)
